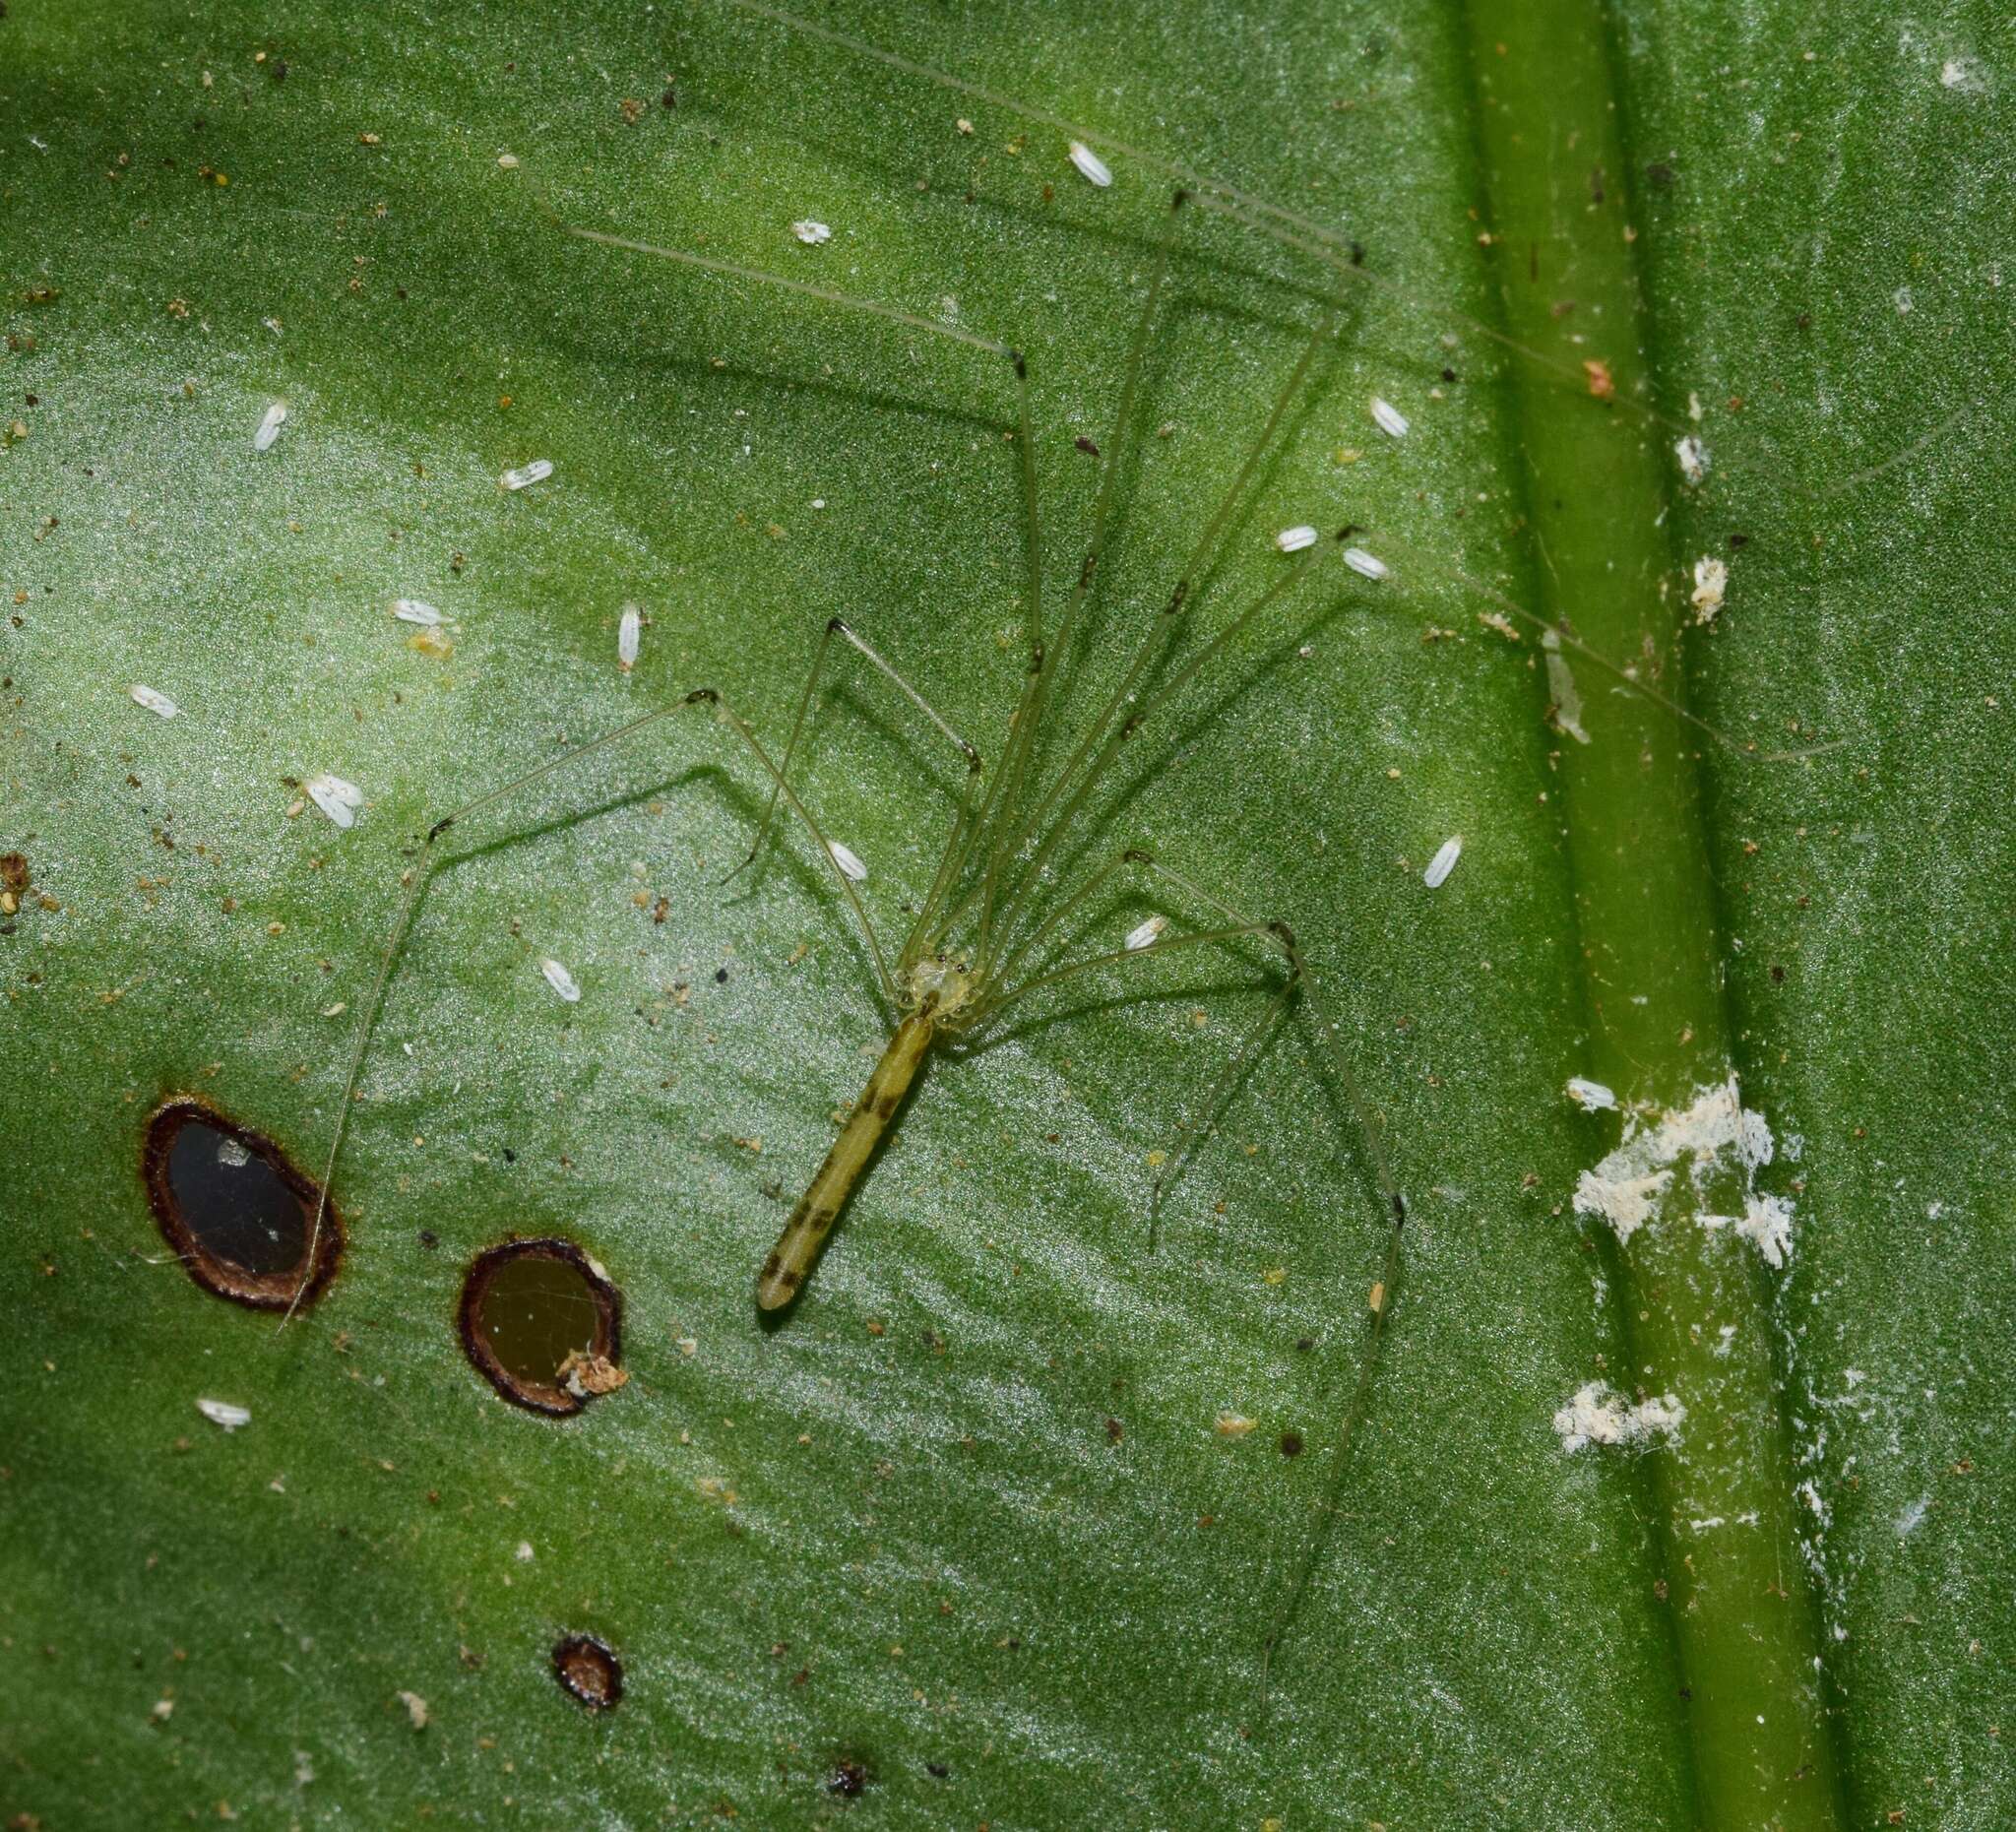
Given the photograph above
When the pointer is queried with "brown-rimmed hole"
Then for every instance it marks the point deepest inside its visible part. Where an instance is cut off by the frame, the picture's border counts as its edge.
(589, 1670)
(233, 1208)
(542, 1324)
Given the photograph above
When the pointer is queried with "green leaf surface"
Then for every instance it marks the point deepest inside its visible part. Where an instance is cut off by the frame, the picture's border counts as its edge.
(970, 1526)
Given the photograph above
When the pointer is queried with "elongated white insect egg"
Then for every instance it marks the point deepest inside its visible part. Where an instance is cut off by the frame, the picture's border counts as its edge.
(561, 980)
(270, 423)
(1367, 565)
(416, 610)
(1294, 539)
(1091, 168)
(156, 703)
(1388, 418)
(224, 1413)
(337, 799)
(628, 635)
(534, 473)
(1144, 936)
(847, 862)
(1444, 863)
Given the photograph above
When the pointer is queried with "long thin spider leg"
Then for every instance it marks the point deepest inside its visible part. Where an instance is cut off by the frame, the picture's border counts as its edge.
(742, 727)
(416, 878)
(1288, 228)
(1626, 677)
(837, 626)
(1381, 1304)
(1301, 234)
(1005, 971)
(1149, 161)
(1033, 547)
(1089, 768)
(1021, 743)
(873, 308)
(1145, 652)
(416, 883)
(1201, 1122)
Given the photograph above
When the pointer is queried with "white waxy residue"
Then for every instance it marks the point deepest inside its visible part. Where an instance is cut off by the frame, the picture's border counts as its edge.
(847, 862)
(270, 423)
(1144, 935)
(561, 980)
(1693, 457)
(1591, 1097)
(1600, 1415)
(337, 799)
(1711, 1141)
(629, 633)
(224, 1413)
(416, 610)
(1091, 168)
(1294, 539)
(1444, 863)
(536, 472)
(1710, 584)
(157, 704)
(811, 233)
(1367, 565)
(1388, 418)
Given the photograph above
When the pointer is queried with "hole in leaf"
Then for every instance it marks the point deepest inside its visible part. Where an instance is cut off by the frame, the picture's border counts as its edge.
(542, 1324)
(589, 1670)
(233, 1209)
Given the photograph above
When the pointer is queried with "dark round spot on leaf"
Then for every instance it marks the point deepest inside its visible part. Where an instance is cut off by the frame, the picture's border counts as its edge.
(233, 1209)
(542, 1324)
(720, 975)
(847, 1777)
(1290, 1443)
(589, 1670)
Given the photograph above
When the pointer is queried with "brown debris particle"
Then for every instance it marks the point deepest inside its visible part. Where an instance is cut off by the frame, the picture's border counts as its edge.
(585, 1375)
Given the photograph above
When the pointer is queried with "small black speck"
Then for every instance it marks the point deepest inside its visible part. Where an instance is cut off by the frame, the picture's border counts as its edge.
(1448, 375)
(1739, 541)
(1305, 1343)
(279, 70)
(720, 975)
(1778, 975)
(34, 401)
(1659, 175)
(669, 99)
(429, 1238)
(846, 1780)
(1290, 1443)
(510, 1157)
(1115, 1430)
(937, 1769)
(1086, 444)
(1806, 321)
